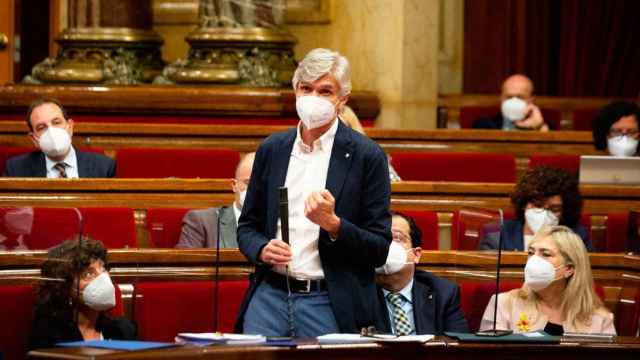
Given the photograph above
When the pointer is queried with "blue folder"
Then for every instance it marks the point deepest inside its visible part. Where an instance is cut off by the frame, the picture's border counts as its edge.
(117, 344)
(512, 338)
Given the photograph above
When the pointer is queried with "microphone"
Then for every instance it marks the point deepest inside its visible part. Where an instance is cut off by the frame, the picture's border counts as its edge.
(495, 332)
(284, 213)
(80, 230)
(216, 276)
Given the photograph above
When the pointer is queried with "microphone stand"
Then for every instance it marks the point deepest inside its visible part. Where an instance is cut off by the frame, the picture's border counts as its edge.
(80, 231)
(284, 226)
(495, 332)
(216, 282)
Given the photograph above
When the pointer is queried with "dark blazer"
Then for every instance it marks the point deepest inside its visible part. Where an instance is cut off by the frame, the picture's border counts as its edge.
(513, 238)
(494, 122)
(436, 305)
(90, 165)
(47, 331)
(358, 178)
(200, 228)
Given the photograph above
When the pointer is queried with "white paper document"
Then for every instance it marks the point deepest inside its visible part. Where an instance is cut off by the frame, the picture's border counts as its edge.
(359, 339)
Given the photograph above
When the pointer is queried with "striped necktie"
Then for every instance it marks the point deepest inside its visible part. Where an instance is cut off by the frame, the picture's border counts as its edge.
(61, 169)
(400, 319)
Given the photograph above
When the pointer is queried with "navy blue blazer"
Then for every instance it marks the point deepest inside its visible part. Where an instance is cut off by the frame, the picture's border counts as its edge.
(90, 165)
(513, 238)
(436, 305)
(358, 178)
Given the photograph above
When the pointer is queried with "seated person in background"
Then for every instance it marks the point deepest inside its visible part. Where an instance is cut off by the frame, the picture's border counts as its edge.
(416, 302)
(558, 293)
(543, 196)
(61, 313)
(51, 131)
(615, 129)
(350, 119)
(517, 109)
(200, 227)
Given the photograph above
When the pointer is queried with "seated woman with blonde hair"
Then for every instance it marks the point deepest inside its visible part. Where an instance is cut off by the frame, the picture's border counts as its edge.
(558, 293)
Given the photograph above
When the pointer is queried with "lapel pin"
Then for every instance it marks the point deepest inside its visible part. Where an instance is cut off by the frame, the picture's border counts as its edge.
(430, 296)
(347, 155)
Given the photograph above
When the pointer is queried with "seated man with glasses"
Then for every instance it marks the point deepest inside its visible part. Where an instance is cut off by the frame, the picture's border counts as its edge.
(544, 196)
(615, 129)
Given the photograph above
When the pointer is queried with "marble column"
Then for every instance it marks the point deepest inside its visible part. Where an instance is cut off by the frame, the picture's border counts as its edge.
(106, 42)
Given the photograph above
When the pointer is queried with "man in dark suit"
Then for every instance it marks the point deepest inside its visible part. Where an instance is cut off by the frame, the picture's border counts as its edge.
(413, 301)
(518, 112)
(338, 205)
(200, 227)
(51, 132)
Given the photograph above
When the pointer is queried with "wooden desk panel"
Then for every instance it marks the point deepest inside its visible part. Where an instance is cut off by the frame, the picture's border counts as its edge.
(441, 348)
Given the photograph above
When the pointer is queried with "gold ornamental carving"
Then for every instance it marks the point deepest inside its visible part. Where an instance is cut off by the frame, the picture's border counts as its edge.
(236, 43)
(102, 56)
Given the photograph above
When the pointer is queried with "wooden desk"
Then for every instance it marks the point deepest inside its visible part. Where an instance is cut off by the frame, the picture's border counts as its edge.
(441, 348)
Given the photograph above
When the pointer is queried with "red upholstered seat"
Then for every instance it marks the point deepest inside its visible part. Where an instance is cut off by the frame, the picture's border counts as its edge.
(115, 227)
(16, 312)
(181, 163)
(469, 225)
(445, 166)
(164, 309)
(469, 114)
(583, 119)
(427, 221)
(569, 163)
(475, 295)
(164, 225)
(617, 232)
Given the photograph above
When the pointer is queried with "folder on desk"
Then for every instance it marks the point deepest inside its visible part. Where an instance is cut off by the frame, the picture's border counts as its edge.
(539, 337)
(117, 344)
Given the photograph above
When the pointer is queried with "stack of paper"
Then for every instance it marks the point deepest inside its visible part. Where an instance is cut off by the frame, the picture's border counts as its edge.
(359, 339)
(204, 339)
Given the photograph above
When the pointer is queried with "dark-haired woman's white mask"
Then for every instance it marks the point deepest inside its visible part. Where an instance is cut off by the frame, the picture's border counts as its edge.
(538, 217)
(100, 295)
(622, 145)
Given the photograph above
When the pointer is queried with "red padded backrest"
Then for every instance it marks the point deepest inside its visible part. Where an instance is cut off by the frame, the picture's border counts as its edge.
(115, 227)
(427, 221)
(466, 167)
(164, 309)
(16, 312)
(468, 226)
(181, 163)
(164, 226)
(617, 232)
(469, 114)
(569, 163)
(475, 296)
(583, 119)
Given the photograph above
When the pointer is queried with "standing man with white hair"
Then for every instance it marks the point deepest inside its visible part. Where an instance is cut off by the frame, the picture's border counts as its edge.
(323, 281)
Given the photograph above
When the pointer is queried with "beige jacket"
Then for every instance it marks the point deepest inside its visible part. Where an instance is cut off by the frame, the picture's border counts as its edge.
(520, 315)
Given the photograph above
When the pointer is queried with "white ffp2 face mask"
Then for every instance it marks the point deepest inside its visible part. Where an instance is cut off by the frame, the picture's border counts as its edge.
(539, 273)
(396, 259)
(100, 294)
(536, 218)
(315, 111)
(622, 145)
(54, 142)
(514, 109)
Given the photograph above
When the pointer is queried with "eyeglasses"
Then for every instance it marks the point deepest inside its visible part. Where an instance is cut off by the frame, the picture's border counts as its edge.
(621, 132)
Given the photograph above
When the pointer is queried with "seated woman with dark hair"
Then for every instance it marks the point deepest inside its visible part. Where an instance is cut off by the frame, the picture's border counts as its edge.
(558, 293)
(73, 297)
(615, 129)
(543, 196)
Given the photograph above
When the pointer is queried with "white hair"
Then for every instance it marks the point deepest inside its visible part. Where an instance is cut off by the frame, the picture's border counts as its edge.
(320, 62)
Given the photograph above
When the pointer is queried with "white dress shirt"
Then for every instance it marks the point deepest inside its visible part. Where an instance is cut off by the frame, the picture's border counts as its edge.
(307, 173)
(236, 212)
(70, 168)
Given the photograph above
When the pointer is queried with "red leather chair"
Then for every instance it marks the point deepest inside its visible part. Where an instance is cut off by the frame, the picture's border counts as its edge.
(114, 227)
(181, 163)
(464, 167)
(617, 232)
(569, 163)
(164, 226)
(427, 221)
(475, 295)
(164, 309)
(469, 114)
(583, 119)
(469, 225)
